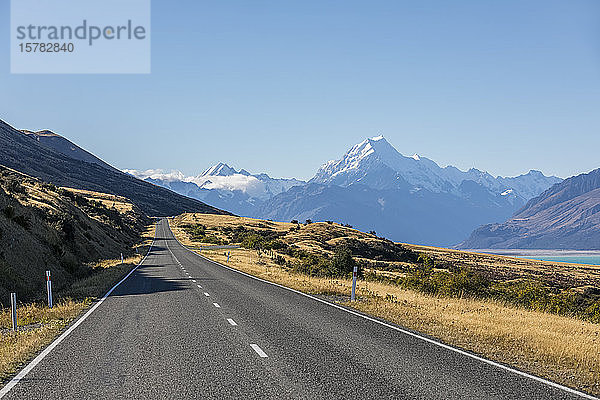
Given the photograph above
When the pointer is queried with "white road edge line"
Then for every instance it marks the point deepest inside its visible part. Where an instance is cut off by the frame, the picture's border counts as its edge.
(231, 322)
(193, 280)
(216, 305)
(413, 334)
(206, 294)
(4, 391)
(259, 351)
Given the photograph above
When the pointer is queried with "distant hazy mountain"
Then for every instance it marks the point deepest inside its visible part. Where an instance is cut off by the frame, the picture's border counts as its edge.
(423, 217)
(222, 186)
(566, 216)
(25, 153)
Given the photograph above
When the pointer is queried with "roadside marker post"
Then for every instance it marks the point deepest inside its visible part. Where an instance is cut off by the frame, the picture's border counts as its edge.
(49, 288)
(13, 310)
(353, 296)
(121, 258)
(228, 254)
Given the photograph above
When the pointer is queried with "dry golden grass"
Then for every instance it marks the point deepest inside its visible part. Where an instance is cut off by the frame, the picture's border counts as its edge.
(501, 268)
(559, 348)
(119, 203)
(39, 326)
(212, 220)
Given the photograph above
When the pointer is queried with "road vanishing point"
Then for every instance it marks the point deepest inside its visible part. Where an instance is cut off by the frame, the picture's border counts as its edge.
(183, 327)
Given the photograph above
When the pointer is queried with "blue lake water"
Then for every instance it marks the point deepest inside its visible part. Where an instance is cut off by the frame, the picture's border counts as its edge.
(590, 257)
(593, 260)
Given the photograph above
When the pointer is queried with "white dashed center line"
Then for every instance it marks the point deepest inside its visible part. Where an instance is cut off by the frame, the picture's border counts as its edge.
(259, 351)
(199, 287)
(216, 305)
(193, 280)
(231, 322)
(206, 294)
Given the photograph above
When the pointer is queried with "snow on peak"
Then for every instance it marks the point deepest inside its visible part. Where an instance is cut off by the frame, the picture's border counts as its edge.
(415, 157)
(220, 169)
(507, 192)
(377, 138)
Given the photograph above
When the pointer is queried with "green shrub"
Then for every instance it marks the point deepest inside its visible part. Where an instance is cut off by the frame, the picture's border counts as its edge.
(279, 260)
(343, 263)
(252, 241)
(592, 313)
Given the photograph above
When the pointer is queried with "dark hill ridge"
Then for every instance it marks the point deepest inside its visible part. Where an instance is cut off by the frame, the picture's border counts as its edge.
(566, 216)
(66, 147)
(30, 156)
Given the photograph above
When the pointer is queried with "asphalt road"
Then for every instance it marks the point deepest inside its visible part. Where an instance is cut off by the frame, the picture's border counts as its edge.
(183, 327)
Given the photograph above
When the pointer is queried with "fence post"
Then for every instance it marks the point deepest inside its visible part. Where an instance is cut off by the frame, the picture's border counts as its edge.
(13, 310)
(49, 288)
(353, 296)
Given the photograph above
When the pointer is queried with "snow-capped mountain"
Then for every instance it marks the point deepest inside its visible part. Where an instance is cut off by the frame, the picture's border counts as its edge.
(372, 186)
(237, 191)
(377, 164)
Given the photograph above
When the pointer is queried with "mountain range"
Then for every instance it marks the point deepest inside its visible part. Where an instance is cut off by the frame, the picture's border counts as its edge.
(373, 187)
(237, 191)
(566, 216)
(54, 159)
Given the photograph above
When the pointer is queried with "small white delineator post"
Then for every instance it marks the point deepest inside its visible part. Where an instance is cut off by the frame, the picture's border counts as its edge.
(49, 288)
(13, 310)
(121, 258)
(228, 254)
(353, 296)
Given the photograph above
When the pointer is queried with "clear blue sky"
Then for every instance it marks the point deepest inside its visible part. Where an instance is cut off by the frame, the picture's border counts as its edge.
(282, 86)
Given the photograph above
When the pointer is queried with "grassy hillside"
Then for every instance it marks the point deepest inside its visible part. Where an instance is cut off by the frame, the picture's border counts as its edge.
(43, 227)
(566, 289)
(27, 155)
(489, 305)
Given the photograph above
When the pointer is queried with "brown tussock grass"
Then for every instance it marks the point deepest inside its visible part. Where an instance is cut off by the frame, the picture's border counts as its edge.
(39, 326)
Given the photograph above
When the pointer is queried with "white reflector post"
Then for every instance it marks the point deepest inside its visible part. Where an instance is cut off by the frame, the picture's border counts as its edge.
(353, 296)
(13, 310)
(49, 288)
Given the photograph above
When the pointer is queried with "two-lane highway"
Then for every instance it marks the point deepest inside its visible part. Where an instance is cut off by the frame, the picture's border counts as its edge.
(184, 327)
